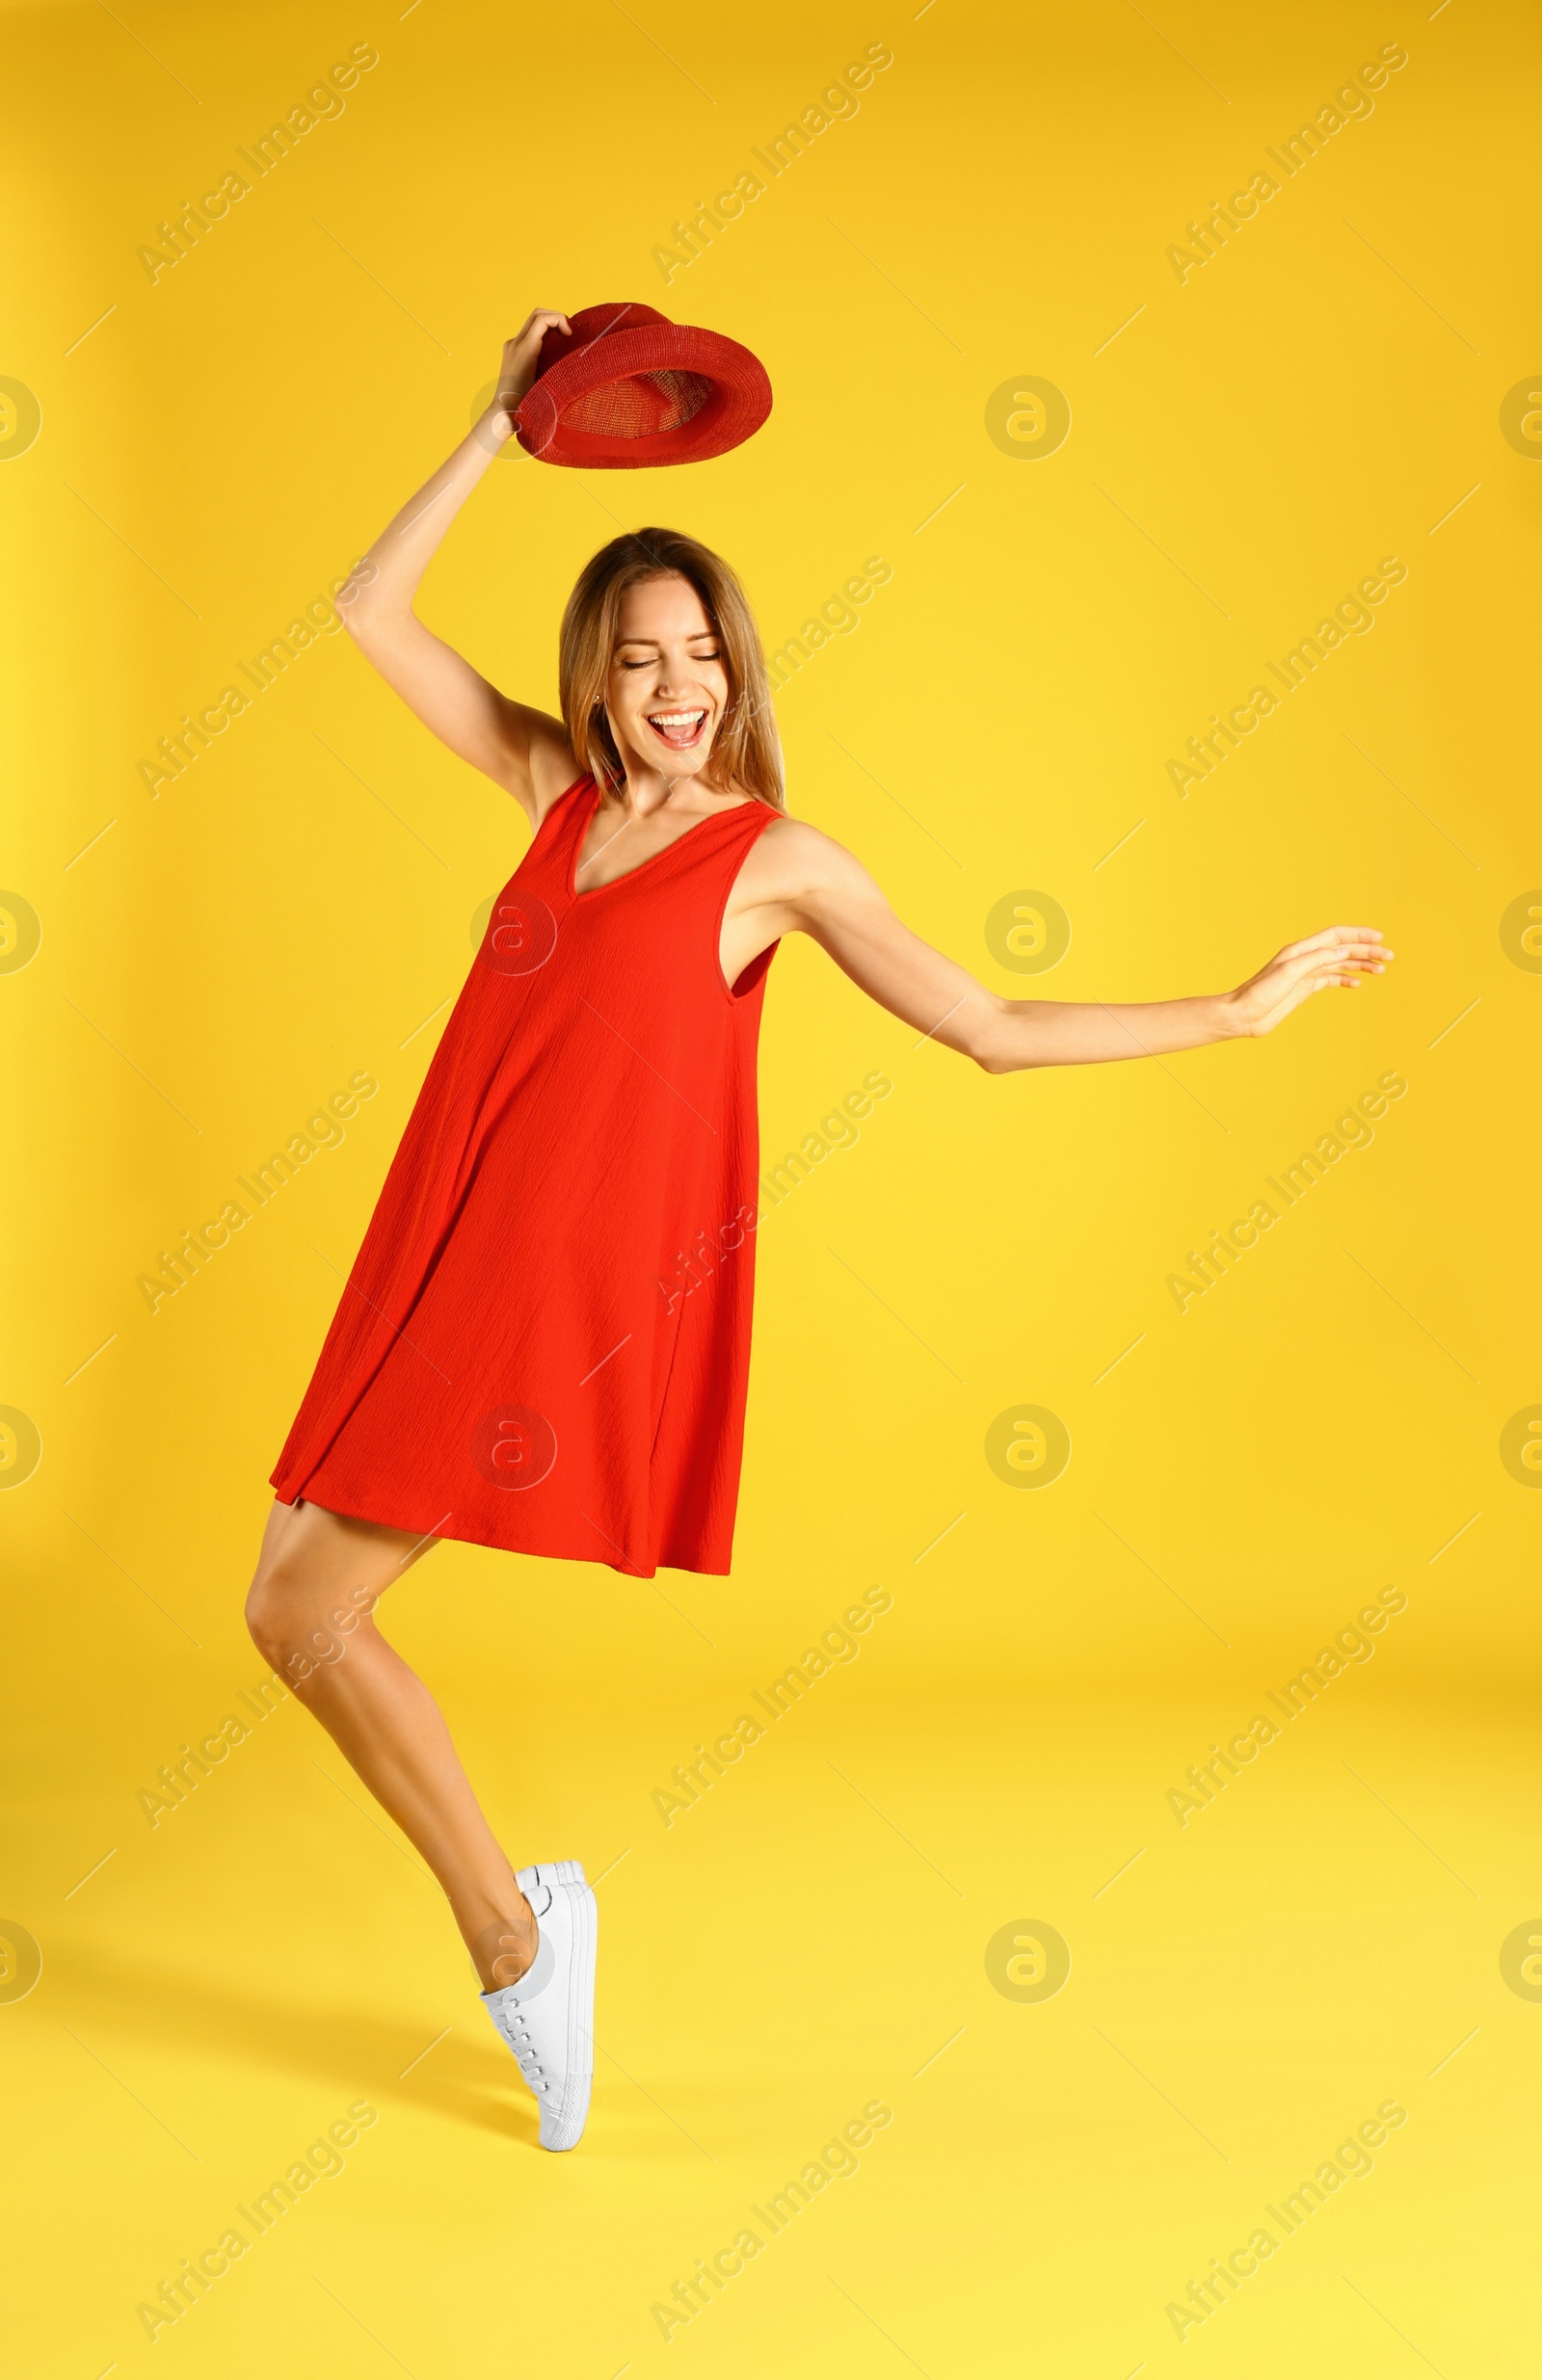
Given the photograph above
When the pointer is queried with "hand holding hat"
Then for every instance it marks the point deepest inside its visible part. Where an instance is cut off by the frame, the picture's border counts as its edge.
(522, 361)
(620, 388)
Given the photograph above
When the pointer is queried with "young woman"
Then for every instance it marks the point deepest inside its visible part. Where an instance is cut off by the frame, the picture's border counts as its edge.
(543, 1344)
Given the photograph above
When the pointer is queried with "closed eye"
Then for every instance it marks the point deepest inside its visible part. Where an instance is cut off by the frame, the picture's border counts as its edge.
(652, 664)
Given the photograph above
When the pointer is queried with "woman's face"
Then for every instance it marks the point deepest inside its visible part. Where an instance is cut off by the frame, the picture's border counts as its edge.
(668, 688)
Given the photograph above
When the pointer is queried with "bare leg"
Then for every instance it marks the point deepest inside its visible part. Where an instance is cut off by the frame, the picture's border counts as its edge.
(319, 1578)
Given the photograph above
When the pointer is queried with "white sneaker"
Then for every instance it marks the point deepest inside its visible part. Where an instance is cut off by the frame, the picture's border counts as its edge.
(547, 2018)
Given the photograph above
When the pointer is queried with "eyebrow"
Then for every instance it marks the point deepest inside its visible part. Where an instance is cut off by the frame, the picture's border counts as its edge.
(693, 637)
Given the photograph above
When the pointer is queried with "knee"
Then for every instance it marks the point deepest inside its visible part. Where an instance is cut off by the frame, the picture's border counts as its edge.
(296, 1621)
(287, 1622)
(270, 1614)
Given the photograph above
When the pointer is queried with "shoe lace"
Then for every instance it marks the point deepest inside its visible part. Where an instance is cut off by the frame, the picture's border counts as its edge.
(525, 2052)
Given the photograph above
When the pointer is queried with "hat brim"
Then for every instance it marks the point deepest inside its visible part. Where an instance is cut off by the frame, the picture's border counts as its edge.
(739, 401)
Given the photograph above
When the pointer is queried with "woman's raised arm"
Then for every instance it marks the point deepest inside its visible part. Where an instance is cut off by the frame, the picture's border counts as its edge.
(798, 879)
(522, 750)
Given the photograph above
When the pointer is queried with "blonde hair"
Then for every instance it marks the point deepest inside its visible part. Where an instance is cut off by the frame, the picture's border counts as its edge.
(747, 750)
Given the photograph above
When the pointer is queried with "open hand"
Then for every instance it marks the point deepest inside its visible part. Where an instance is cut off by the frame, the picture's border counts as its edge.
(520, 356)
(1336, 959)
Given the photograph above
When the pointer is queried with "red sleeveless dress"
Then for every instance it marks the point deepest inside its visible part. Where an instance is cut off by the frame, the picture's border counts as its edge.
(544, 1344)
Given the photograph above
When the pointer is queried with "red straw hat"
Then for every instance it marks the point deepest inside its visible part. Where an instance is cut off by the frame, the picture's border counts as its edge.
(630, 388)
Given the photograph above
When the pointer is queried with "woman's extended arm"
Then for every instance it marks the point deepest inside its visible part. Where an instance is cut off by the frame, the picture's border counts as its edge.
(522, 750)
(798, 879)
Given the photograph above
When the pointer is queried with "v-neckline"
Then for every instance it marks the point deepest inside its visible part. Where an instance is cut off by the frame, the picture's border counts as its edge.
(575, 896)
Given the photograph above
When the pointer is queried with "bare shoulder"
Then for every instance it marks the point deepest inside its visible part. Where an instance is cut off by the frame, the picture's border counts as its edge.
(552, 764)
(795, 867)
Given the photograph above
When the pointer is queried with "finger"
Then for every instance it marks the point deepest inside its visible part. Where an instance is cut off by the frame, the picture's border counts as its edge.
(1372, 954)
(1313, 960)
(1318, 978)
(1328, 937)
(1337, 971)
(1282, 975)
(1309, 942)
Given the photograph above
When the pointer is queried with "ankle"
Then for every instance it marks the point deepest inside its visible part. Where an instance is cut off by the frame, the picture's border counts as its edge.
(504, 1950)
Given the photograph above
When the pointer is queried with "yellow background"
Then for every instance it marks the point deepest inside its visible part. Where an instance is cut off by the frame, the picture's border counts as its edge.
(1250, 445)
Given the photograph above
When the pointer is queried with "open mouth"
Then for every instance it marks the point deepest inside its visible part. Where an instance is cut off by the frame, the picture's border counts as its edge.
(681, 731)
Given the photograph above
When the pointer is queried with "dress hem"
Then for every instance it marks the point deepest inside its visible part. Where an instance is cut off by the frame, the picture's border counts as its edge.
(468, 1535)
